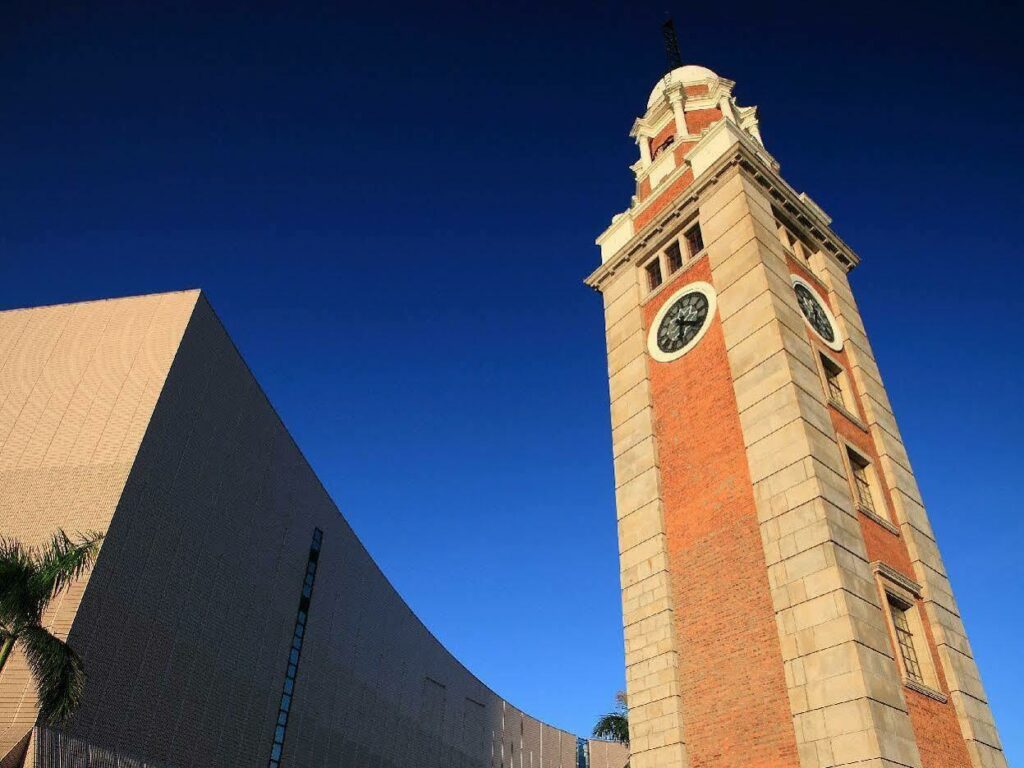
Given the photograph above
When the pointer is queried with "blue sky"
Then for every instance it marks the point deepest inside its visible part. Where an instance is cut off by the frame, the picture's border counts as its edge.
(392, 209)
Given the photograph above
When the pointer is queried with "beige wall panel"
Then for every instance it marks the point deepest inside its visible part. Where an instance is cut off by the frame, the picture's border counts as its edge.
(635, 461)
(628, 377)
(604, 754)
(626, 302)
(631, 347)
(630, 404)
(84, 378)
(620, 283)
(636, 428)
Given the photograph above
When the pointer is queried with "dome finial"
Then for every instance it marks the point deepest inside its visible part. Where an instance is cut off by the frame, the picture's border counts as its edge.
(668, 32)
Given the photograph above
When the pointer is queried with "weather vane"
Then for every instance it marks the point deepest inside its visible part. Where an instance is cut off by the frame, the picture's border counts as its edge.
(668, 32)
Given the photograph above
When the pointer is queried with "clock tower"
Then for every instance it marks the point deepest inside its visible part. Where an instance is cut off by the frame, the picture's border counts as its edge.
(784, 600)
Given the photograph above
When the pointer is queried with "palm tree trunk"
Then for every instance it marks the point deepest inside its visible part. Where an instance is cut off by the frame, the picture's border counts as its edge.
(5, 651)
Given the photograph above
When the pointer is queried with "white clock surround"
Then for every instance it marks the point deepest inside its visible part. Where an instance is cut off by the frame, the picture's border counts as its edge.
(706, 290)
(837, 343)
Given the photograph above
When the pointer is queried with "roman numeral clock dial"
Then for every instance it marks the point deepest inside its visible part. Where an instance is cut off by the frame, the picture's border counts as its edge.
(681, 322)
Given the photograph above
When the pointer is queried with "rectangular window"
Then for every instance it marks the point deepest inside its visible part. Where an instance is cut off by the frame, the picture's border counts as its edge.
(694, 240)
(905, 620)
(834, 382)
(654, 277)
(675, 257)
(905, 639)
(295, 652)
(862, 481)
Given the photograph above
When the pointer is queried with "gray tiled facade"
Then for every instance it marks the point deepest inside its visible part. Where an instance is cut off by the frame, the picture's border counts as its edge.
(186, 622)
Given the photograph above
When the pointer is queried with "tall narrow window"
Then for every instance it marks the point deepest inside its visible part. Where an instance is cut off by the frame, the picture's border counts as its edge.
(862, 481)
(654, 277)
(674, 255)
(905, 639)
(295, 650)
(834, 382)
(694, 240)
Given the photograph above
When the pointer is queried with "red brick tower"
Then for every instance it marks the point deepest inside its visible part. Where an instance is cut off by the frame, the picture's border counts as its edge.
(784, 600)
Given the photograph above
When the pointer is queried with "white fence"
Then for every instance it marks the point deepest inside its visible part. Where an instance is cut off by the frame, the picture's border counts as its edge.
(54, 749)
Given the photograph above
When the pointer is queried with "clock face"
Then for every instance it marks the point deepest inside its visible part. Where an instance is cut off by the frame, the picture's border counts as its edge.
(816, 313)
(683, 321)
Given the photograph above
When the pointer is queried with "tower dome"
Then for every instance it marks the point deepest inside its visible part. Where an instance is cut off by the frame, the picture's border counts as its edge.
(688, 75)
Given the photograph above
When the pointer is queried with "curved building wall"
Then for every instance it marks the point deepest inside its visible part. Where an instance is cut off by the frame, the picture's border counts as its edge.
(186, 624)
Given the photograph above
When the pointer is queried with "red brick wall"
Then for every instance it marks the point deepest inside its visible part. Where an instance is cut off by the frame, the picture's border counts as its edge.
(699, 119)
(668, 195)
(682, 149)
(735, 705)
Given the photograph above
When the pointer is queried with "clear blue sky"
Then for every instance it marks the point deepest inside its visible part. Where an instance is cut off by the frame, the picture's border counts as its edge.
(392, 209)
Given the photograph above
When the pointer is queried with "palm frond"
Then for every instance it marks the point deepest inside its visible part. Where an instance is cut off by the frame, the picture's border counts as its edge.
(63, 561)
(18, 603)
(613, 726)
(58, 672)
(6, 644)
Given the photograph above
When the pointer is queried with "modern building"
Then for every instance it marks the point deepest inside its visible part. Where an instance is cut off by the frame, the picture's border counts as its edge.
(784, 599)
(233, 618)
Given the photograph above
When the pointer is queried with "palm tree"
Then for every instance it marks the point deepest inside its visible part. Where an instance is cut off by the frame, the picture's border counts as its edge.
(30, 578)
(615, 725)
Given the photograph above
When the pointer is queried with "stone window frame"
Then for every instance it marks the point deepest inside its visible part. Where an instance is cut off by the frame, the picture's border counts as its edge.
(646, 268)
(686, 230)
(847, 406)
(664, 262)
(669, 256)
(896, 587)
(880, 511)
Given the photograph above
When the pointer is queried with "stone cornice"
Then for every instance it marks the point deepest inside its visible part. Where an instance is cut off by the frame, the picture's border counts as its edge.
(925, 690)
(890, 573)
(658, 116)
(803, 210)
(747, 160)
(638, 243)
(648, 129)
